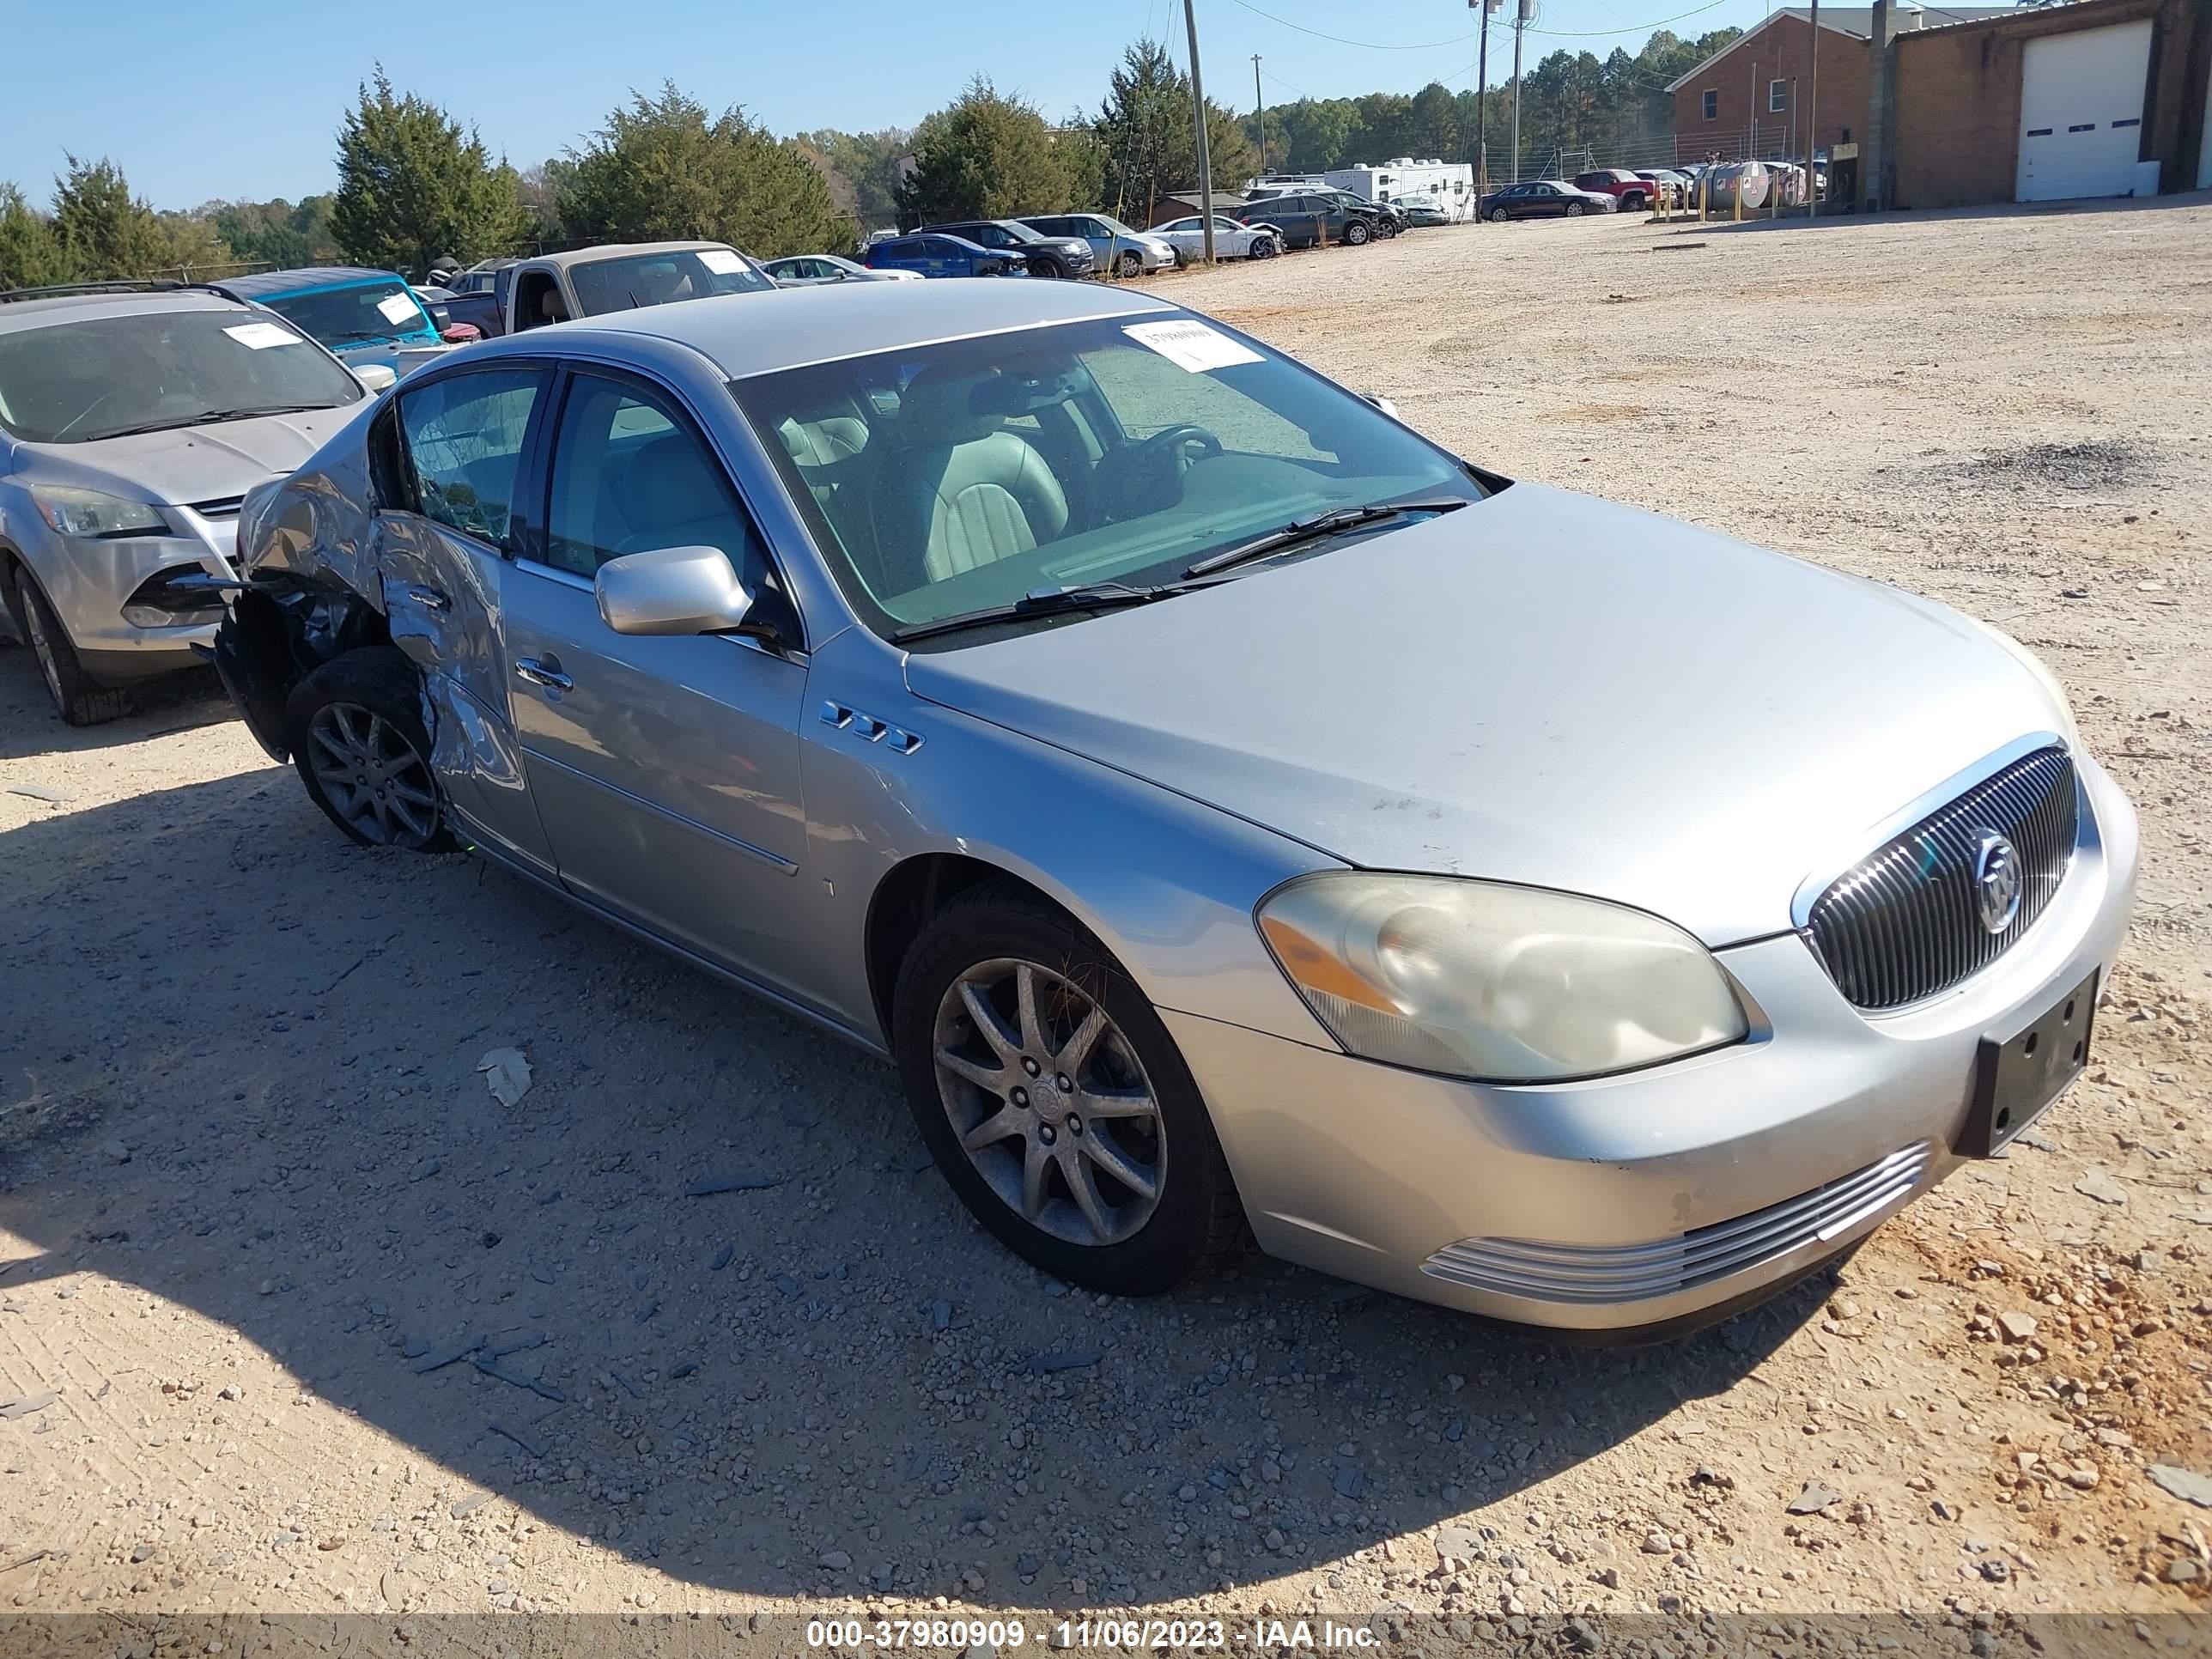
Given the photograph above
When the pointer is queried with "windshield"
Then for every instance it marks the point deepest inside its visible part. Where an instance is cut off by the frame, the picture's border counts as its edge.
(91, 377)
(655, 279)
(958, 475)
(365, 311)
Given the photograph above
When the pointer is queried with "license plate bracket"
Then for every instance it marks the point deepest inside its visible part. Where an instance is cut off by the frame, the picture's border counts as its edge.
(2017, 1076)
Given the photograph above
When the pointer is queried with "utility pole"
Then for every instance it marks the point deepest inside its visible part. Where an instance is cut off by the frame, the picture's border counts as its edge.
(1519, 22)
(1812, 128)
(1481, 105)
(1198, 109)
(1260, 113)
(1751, 140)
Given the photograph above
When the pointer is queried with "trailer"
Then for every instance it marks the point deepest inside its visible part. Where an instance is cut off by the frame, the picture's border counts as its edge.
(1449, 186)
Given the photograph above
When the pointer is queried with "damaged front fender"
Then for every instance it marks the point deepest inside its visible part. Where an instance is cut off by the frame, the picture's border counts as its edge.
(306, 545)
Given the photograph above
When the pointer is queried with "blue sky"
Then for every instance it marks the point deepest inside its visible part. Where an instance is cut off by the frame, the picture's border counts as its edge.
(222, 99)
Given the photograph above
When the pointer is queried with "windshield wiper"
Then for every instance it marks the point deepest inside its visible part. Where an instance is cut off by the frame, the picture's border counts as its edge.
(1313, 529)
(209, 417)
(1046, 602)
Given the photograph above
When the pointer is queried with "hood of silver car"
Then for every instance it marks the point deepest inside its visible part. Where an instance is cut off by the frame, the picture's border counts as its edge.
(1543, 688)
(196, 463)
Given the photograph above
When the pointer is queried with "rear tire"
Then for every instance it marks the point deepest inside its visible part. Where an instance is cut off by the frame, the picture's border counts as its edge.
(355, 728)
(78, 698)
(963, 1080)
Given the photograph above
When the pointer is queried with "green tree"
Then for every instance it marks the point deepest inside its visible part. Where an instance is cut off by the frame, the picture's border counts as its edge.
(277, 233)
(1147, 141)
(415, 186)
(1385, 128)
(869, 164)
(986, 155)
(1432, 125)
(30, 254)
(106, 234)
(662, 169)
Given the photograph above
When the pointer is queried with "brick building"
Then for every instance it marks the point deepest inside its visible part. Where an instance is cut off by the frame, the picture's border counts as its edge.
(1948, 106)
(2099, 98)
(1746, 100)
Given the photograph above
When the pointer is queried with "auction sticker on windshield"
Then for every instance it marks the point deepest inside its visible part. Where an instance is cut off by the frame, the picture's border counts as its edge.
(720, 261)
(1192, 345)
(396, 308)
(261, 336)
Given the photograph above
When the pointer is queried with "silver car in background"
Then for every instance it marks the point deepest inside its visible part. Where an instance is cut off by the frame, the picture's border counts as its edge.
(812, 269)
(1115, 250)
(133, 423)
(1226, 807)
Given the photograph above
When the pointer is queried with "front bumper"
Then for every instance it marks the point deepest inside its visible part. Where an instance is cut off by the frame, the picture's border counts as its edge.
(1645, 1199)
(88, 581)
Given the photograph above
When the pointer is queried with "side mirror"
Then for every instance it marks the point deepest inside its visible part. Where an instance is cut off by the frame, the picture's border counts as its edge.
(376, 377)
(672, 590)
(1381, 403)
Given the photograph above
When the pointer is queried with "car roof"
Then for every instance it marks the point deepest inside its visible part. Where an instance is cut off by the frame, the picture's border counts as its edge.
(745, 334)
(38, 311)
(585, 256)
(302, 280)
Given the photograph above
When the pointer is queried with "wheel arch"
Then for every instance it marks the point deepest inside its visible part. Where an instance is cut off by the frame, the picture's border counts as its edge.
(909, 894)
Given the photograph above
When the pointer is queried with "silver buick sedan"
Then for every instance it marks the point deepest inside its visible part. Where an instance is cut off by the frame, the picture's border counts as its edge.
(1232, 813)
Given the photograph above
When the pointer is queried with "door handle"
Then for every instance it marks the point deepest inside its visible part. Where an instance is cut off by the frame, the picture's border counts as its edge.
(427, 597)
(545, 674)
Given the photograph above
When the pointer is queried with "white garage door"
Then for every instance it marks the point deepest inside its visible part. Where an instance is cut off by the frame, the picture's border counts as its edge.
(2080, 109)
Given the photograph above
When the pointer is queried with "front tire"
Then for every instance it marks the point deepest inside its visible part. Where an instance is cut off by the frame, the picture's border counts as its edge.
(1574, 209)
(1499, 216)
(1040, 265)
(355, 728)
(78, 698)
(1129, 267)
(1054, 1099)
(1263, 247)
(1356, 234)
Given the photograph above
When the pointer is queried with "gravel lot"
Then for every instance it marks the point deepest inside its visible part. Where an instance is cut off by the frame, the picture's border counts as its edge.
(254, 1188)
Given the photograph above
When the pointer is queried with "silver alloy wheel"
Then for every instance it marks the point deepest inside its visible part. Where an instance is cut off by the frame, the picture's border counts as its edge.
(371, 776)
(1048, 1101)
(42, 647)
(1129, 265)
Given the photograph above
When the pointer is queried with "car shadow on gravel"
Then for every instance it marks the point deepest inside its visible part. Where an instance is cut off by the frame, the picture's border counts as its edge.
(29, 727)
(247, 1084)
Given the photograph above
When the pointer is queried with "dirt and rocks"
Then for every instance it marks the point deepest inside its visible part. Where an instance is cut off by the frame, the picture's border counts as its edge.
(297, 1318)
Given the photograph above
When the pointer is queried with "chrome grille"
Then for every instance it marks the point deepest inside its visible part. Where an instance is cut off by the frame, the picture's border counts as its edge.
(1901, 924)
(1632, 1273)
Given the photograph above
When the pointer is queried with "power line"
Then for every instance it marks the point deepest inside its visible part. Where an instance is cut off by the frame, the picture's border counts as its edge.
(1638, 28)
(1369, 45)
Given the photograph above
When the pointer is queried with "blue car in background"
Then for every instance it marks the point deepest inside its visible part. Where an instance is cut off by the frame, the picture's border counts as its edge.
(933, 253)
(365, 317)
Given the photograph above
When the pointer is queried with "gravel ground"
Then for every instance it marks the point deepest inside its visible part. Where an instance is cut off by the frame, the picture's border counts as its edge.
(328, 1330)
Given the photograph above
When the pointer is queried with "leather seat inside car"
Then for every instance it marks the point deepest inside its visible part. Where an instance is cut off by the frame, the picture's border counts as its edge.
(671, 497)
(960, 490)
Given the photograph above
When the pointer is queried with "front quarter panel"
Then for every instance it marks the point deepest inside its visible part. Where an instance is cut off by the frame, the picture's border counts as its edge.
(1167, 883)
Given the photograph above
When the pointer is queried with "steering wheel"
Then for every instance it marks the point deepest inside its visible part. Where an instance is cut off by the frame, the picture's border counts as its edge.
(1142, 471)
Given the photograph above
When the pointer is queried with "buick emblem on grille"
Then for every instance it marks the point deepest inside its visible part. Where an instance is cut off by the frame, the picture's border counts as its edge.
(1997, 884)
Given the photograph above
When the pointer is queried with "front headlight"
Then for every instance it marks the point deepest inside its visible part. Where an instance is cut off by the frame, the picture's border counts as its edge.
(1504, 984)
(88, 513)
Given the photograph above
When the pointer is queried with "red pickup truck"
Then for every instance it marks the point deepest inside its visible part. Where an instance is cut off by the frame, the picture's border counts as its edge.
(1633, 193)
